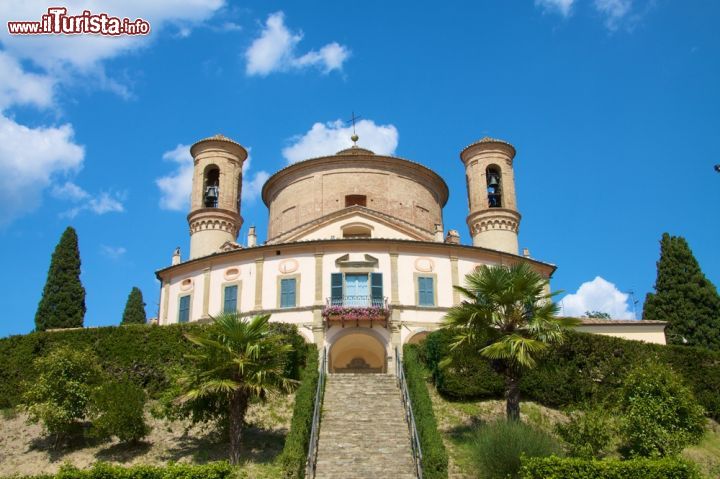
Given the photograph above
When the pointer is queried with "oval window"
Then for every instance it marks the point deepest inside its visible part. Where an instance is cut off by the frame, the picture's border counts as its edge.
(288, 266)
(232, 273)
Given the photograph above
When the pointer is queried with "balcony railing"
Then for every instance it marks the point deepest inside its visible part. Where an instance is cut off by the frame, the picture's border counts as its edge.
(356, 308)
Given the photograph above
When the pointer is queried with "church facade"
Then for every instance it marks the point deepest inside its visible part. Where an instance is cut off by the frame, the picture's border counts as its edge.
(356, 253)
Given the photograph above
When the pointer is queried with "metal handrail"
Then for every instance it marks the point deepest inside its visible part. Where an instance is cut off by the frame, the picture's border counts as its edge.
(409, 416)
(315, 430)
(358, 301)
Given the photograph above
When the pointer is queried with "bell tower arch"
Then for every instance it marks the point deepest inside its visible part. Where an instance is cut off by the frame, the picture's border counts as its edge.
(494, 219)
(214, 216)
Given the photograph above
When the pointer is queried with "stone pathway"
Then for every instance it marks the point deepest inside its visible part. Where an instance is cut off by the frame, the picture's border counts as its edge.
(363, 433)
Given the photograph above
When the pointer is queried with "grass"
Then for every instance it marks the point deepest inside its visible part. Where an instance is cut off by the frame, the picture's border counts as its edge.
(707, 454)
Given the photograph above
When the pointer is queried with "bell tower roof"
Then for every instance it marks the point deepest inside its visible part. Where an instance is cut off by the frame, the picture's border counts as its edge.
(488, 141)
(240, 150)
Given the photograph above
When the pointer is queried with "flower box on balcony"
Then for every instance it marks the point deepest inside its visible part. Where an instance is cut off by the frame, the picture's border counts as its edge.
(354, 313)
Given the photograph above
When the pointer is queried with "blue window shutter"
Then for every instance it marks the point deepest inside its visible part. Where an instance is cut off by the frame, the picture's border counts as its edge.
(426, 293)
(287, 293)
(184, 312)
(231, 296)
(376, 288)
(336, 289)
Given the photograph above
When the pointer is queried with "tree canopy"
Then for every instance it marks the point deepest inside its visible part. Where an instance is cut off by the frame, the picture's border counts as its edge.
(684, 297)
(509, 317)
(63, 299)
(134, 308)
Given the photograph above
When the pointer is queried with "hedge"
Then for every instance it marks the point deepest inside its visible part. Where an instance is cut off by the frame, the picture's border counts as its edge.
(295, 451)
(585, 367)
(574, 468)
(434, 455)
(141, 352)
(216, 470)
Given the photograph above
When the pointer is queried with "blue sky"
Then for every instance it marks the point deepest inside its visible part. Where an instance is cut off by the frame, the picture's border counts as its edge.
(613, 106)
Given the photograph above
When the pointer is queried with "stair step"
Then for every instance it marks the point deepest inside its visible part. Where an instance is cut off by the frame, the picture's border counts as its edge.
(363, 433)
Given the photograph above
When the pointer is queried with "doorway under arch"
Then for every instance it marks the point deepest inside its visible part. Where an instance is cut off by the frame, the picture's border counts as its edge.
(417, 337)
(357, 352)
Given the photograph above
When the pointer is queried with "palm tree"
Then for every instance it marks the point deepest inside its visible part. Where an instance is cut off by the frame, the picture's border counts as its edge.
(508, 317)
(238, 360)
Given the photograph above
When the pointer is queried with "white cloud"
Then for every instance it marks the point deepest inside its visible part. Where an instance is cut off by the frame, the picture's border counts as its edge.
(69, 191)
(101, 204)
(274, 50)
(34, 158)
(597, 295)
(30, 158)
(563, 7)
(20, 87)
(112, 252)
(251, 188)
(329, 138)
(328, 58)
(106, 203)
(614, 11)
(175, 188)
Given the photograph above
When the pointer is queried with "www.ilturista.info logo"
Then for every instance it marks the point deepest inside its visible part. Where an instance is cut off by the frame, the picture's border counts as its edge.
(58, 22)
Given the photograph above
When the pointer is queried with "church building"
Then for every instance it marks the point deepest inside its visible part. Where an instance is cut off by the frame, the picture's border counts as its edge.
(356, 255)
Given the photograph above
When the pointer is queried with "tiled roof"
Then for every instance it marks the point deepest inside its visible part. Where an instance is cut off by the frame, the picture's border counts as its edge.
(619, 322)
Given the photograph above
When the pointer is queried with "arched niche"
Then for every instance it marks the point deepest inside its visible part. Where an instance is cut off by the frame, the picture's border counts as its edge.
(357, 352)
(494, 186)
(417, 337)
(211, 186)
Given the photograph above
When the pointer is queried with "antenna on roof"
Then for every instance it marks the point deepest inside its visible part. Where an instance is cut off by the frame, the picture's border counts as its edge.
(634, 302)
(354, 136)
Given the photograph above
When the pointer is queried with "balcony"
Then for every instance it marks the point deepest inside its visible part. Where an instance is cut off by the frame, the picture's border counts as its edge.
(356, 309)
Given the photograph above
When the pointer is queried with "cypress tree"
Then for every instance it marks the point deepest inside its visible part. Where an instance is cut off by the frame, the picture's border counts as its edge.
(134, 308)
(63, 300)
(684, 297)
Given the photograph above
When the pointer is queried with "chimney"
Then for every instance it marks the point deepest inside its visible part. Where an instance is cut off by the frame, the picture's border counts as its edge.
(252, 237)
(526, 253)
(438, 233)
(453, 237)
(176, 256)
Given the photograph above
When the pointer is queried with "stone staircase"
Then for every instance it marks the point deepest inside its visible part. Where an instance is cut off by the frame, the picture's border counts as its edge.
(363, 433)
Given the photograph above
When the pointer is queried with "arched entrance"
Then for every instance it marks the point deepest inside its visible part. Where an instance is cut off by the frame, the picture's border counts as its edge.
(417, 337)
(358, 351)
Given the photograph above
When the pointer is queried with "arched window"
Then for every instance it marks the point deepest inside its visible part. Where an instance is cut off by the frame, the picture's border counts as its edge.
(357, 230)
(494, 186)
(211, 187)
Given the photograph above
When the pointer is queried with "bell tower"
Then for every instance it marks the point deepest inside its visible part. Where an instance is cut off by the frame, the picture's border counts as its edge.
(494, 220)
(216, 187)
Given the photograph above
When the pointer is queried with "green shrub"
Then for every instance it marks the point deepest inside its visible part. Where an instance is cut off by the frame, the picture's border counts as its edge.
(118, 410)
(468, 376)
(295, 450)
(59, 396)
(141, 353)
(575, 468)
(660, 415)
(216, 470)
(498, 447)
(434, 455)
(585, 368)
(589, 434)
